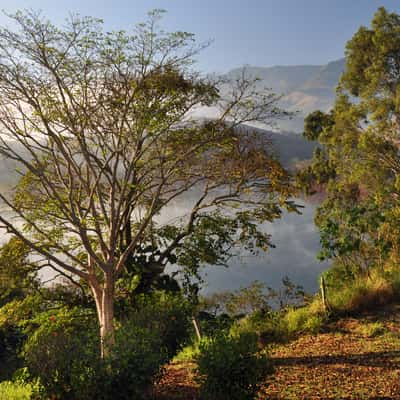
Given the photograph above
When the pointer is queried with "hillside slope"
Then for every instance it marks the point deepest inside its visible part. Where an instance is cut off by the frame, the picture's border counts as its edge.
(354, 359)
(305, 88)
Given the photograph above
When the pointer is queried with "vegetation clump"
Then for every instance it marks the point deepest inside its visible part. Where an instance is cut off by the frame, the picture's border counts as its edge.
(229, 367)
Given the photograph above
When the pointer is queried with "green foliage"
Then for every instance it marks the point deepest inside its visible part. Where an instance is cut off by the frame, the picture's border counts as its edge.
(59, 344)
(308, 319)
(393, 276)
(18, 280)
(136, 362)
(371, 329)
(212, 324)
(190, 352)
(350, 291)
(358, 160)
(17, 276)
(316, 123)
(11, 341)
(64, 354)
(58, 347)
(167, 315)
(363, 294)
(15, 391)
(230, 369)
(250, 310)
(270, 326)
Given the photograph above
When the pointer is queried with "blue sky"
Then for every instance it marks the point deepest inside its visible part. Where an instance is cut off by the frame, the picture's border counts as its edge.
(256, 32)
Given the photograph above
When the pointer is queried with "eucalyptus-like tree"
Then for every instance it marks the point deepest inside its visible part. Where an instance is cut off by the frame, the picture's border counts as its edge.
(102, 125)
(360, 160)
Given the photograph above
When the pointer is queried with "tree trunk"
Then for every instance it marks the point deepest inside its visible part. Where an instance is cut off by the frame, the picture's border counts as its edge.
(104, 299)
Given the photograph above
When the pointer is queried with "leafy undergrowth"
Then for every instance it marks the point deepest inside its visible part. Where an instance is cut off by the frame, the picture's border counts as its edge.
(354, 359)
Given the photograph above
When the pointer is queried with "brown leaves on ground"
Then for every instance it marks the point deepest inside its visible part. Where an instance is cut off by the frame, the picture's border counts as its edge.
(177, 382)
(355, 359)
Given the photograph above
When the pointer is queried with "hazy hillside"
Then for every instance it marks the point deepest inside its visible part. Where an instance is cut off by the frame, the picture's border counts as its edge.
(297, 260)
(305, 87)
(289, 148)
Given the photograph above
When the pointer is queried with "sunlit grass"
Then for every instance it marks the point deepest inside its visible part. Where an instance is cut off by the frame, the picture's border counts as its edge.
(15, 391)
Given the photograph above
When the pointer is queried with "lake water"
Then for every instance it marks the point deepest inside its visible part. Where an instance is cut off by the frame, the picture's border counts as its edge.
(297, 243)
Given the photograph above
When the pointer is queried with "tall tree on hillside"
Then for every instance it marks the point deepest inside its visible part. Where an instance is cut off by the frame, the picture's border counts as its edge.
(360, 160)
(101, 126)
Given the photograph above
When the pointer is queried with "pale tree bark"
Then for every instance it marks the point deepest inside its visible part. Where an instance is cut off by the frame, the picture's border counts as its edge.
(103, 295)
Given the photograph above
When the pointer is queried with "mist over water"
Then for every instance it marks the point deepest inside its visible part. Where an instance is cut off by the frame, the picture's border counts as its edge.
(295, 237)
(297, 243)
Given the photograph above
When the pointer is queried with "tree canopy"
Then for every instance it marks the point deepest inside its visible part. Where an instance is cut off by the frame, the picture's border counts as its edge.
(359, 158)
(101, 126)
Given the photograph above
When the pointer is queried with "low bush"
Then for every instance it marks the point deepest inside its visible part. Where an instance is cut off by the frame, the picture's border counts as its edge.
(269, 326)
(363, 294)
(60, 343)
(166, 314)
(229, 367)
(188, 353)
(63, 353)
(371, 329)
(11, 340)
(15, 391)
(135, 363)
(307, 319)
(213, 324)
(393, 276)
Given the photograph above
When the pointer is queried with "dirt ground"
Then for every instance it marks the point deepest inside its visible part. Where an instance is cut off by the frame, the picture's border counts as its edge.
(354, 359)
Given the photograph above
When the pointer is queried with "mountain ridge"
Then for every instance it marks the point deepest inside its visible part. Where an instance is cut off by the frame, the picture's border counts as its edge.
(304, 88)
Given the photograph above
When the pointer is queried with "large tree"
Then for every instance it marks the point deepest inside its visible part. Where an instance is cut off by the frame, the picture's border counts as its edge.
(101, 124)
(359, 160)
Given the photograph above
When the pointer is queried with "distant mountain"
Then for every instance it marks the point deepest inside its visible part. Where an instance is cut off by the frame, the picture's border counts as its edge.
(289, 148)
(305, 87)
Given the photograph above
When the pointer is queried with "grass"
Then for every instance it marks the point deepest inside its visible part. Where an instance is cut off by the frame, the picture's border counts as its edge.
(14, 391)
(354, 358)
(357, 359)
(350, 352)
(188, 353)
(366, 293)
(308, 319)
(371, 329)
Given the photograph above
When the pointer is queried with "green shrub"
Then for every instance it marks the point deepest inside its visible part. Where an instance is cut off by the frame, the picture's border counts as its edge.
(364, 294)
(60, 343)
(269, 326)
(339, 275)
(229, 367)
(213, 324)
(393, 276)
(307, 319)
(135, 363)
(189, 352)
(15, 391)
(11, 340)
(63, 353)
(372, 329)
(166, 314)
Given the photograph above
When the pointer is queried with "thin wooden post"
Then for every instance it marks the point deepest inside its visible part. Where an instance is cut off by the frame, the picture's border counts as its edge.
(196, 327)
(323, 294)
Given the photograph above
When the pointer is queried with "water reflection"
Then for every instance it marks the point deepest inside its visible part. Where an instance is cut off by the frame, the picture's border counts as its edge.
(297, 243)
